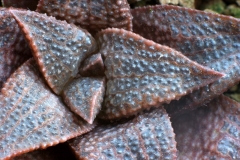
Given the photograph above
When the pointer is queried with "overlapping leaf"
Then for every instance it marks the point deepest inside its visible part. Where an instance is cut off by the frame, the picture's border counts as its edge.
(141, 73)
(32, 116)
(209, 132)
(93, 15)
(58, 47)
(93, 66)
(209, 39)
(84, 96)
(13, 48)
(147, 136)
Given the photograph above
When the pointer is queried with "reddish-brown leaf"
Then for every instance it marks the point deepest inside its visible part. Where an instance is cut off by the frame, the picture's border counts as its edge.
(141, 73)
(27, 4)
(92, 15)
(147, 136)
(209, 132)
(32, 116)
(84, 96)
(13, 48)
(57, 46)
(210, 39)
(93, 66)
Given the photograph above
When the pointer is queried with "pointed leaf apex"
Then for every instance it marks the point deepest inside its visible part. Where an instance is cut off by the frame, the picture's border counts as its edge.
(57, 46)
(84, 96)
(141, 73)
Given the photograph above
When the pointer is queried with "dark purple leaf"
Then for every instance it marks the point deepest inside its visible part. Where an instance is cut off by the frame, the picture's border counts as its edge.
(141, 74)
(147, 136)
(212, 40)
(27, 4)
(209, 132)
(92, 15)
(58, 47)
(32, 116)
(93, 66)
(59, 152)
(13, 48)
(84, 96)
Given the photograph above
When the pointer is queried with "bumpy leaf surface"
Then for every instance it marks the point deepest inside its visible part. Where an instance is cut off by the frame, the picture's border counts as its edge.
(84, 96)
(13, 48)
(92, 15)
(93, 66)
(58, 47)
(141, 73)
(147, 136)
(210, 39)
(32, 116)
(209, 132)
(27, 4)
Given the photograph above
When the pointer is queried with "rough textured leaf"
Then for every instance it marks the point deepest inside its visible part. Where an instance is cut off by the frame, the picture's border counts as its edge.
(13, 48)
(147, 136)
(210, 39)
(93, 66)
(58, 47)
(93, 15)
(59, 152)
(209, 132)
(27, 4)
(84, 96)
(32, 116)
(141, 73)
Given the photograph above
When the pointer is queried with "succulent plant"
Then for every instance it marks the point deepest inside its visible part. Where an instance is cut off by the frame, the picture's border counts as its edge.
(145, 83)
